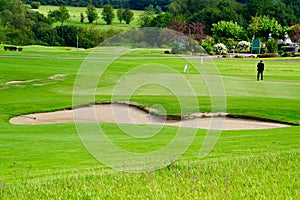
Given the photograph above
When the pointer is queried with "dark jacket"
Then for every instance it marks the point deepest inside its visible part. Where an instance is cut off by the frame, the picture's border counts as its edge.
(260, 67)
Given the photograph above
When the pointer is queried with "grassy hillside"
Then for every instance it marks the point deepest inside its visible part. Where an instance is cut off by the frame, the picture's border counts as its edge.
(100, 23)
(51, 162)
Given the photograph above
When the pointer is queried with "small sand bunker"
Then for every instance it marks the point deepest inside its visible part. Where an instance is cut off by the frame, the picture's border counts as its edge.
(37, 82)
(128, 114)
(18, 82)
(57, 76)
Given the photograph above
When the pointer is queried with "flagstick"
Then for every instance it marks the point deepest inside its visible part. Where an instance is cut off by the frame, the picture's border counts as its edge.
(187, 77)
(189, 87)
(188, 81)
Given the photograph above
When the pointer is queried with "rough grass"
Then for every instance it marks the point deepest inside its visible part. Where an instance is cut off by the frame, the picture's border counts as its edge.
(266, 176)
(50, 162)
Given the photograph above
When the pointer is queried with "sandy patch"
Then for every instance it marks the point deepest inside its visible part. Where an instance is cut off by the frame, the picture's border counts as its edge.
(125, 114)
(57, 76)
(37, 82)
(41, 84)
(18, 82)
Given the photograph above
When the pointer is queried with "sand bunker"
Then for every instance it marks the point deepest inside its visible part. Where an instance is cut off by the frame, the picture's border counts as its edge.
(128, 114)
(18, 82)
(37, 82)
(57, 76)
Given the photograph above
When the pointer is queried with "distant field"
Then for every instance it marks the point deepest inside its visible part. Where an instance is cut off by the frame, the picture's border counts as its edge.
(50, 161)
(100, 23)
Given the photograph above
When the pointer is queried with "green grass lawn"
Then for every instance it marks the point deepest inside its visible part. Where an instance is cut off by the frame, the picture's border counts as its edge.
(99, 23)
(50, 161)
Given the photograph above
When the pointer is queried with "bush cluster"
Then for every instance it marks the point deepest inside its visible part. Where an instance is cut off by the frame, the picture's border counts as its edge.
(243, 46)
(220, 49)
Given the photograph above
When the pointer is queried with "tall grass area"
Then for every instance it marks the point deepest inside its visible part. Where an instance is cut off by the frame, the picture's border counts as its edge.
(266, 176)
(99, 23)
(50, 161)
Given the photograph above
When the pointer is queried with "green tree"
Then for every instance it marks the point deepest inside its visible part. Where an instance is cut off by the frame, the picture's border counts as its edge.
(16, 24)
(35, 5)
(49, 37)
(91, 13)
(294, 5)
(14, 14)
(224, 29)
(148, 15)
(2, 32)
(176, 7)
(259, 7)
(42, 29)
(142, 4)
(89, 37)
(283, 14)
(158, 9)
(162, 20)
(68, 34)
(120, 13)
(108, 14)
(232, 11)
(61, 15)
(261, 27)
(208, 16)
(128, 16)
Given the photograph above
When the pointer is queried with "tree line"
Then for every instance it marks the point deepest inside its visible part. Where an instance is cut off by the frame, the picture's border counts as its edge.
(208, 21)
(130, 4)
(229, 22)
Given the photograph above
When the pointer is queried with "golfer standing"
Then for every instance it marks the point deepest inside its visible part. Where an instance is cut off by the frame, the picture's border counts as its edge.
(260, 70)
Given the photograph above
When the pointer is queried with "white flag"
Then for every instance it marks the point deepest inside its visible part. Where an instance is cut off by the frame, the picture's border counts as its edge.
(185, 68)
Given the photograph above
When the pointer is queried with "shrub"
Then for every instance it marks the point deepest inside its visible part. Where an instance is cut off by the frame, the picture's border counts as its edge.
(207, 44)
(220, 49)
(287, 54)
(35, 5)
(281, 52)
(243, 46)
(209, 49)
(268, 55)
(229, 43)
(272, 46)
(263, 49)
